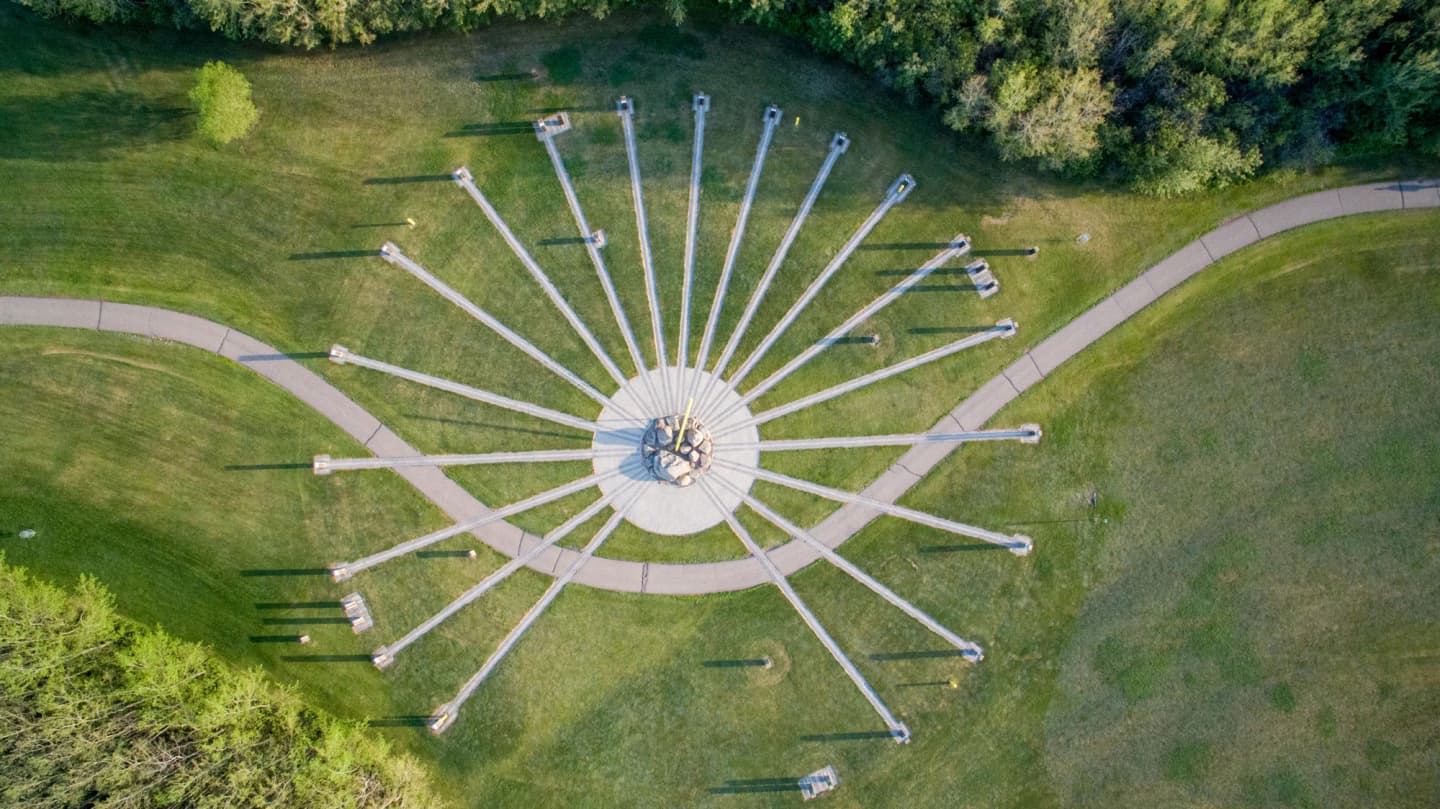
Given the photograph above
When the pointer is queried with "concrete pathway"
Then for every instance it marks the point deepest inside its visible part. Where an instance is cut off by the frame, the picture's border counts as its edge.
(844, 523)
(737, 235)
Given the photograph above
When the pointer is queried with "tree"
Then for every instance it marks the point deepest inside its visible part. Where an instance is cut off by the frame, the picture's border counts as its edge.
(221, 96)
(1038, 112)
(98, 711)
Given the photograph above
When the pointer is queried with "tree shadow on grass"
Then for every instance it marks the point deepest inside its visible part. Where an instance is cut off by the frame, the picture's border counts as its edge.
(86, 126)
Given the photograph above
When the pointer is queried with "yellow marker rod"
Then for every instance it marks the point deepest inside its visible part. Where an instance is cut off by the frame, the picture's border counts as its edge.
(679, 437)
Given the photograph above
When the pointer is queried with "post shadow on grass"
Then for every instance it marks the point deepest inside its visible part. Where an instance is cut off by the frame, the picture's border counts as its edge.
(266, 467)
(965, 548)
(275, 638)
(403, 721)
(911, 271)
(411, 178)
(852, 736)
(306, 620)
(326, 659)
(906, 246)
(465, 554)
(921, 654)
(946, 288)
(298, 605)
(754, 662)
(492, 129)
(285, 355)
(924, 684)
(331, 254)
(561, 240)
(285, 571)
(1008, 251)
(506, 427)
(951, 329)
(494, 77)
(744, 786)
(359, 225)
(571, 108)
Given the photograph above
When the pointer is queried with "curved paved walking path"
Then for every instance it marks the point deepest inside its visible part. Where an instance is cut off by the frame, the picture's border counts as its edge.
(714, 577)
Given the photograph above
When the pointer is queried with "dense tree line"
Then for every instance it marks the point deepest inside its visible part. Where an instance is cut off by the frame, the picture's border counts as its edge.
(96, 711)
(1174, 95)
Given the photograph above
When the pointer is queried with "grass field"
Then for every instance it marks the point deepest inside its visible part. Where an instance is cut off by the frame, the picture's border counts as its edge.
(107, 192)
(1253, 626)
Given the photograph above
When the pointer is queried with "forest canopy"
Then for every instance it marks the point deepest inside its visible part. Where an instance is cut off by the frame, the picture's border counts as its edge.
(98, 711)
(1172, 95)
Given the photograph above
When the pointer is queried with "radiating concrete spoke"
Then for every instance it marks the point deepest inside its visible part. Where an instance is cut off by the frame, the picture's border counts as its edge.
(343, 356)
(897, 192)
(1028, 434)
(838, 145)
(959, 246)
(1017, 544)
(324, 464)
(445, 714)
(465, 180)
(1005, 328)
(701, 104)
(592, 248)
(626, 109)
(971, 651)
(341, 571)
(385, 655)
(391, 253)
(896, 727)
(772, 120)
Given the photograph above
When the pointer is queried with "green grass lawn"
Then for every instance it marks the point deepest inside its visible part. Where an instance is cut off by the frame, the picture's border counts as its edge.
(109, 193)
(1253, 625)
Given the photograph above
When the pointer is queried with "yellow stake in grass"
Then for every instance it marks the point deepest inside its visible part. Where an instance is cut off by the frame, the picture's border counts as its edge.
(684, 421)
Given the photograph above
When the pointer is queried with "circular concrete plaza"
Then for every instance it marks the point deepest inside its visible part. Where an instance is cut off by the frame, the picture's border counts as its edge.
(662, 507)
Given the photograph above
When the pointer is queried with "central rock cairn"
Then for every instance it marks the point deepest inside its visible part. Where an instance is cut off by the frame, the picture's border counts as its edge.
(673, 457)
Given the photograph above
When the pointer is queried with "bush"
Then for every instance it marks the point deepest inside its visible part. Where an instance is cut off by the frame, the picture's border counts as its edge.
(221, 96)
